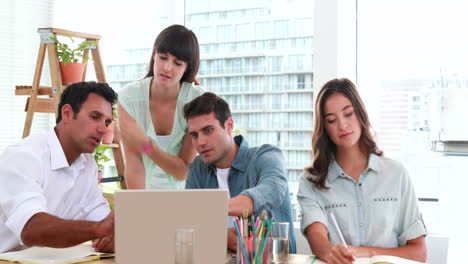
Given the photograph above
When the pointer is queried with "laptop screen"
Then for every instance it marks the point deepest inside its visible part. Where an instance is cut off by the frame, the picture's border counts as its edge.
(146, 222)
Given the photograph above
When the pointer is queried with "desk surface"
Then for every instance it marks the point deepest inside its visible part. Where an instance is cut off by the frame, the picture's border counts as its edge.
(293, 259)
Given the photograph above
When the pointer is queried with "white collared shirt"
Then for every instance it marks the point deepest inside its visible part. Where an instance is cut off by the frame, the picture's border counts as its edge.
(380, 210)
(35, 177)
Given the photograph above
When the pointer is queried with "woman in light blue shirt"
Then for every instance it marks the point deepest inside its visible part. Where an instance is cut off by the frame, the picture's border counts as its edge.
(157, 149)
(371, 196)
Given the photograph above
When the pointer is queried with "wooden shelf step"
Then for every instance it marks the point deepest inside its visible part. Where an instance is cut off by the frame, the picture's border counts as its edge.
(43, 105)
(26, 90)
(69, 33)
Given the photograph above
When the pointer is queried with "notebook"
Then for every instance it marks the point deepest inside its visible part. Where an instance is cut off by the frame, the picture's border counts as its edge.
(379, 259)
(382, 259)
(146, 221)
(47, 255)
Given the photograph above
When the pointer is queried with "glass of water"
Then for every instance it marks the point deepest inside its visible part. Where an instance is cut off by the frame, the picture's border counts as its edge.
(184, 246)
(279, 247)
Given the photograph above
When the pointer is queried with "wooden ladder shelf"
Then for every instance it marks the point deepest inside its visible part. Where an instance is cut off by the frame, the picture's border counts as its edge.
(50, 102)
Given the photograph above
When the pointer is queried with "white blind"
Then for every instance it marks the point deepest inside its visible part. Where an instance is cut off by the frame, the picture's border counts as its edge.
(19, 46)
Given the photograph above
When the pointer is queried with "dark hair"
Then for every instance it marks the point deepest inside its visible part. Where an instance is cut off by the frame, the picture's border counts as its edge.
(322, 146)
(182, 43)
(208, 103)
(76, 94)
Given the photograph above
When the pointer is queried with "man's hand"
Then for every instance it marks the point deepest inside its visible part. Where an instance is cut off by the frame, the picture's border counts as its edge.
(105, 231)
(47, 230)
(232, 240)
(106, 226)
(105, 244)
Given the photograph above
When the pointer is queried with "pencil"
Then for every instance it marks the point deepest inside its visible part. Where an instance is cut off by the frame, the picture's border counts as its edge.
(253, 234)
(245, 226)
(338, 230)
(313, 260)
(264, 241)
(241, 244)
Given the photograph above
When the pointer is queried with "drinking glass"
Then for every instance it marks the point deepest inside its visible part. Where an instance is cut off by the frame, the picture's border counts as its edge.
(279, 248)
(184, 246)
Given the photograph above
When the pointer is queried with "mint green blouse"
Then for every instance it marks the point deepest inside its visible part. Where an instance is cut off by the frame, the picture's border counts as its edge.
(134, 98)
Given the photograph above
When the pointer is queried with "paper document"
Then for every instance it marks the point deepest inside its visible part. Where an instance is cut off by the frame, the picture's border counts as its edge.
(381, 259)
(374, 260)
(46, 255)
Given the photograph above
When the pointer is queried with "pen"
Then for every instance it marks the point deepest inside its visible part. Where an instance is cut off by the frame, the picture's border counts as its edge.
(239, 225)
(241, 244)
(253, 234)
(313, 260)
(337, 227)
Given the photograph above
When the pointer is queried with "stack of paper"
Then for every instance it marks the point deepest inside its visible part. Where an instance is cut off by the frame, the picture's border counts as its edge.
(46, 255)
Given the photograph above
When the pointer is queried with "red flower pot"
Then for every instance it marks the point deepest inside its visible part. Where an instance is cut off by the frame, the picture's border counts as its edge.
(72, 72)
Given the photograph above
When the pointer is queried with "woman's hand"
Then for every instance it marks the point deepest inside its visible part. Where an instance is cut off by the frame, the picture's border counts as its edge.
(340, 254)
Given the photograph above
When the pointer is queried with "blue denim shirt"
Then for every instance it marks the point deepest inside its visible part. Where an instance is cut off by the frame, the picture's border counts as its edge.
(257, 172)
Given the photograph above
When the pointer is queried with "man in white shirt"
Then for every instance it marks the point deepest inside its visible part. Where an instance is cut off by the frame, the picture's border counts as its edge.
(49, 194)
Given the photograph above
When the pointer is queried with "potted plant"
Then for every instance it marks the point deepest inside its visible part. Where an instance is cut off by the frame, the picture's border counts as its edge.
(100, 156)
(71, 69)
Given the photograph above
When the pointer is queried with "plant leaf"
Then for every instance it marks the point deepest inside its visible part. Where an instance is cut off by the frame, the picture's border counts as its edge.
(67, 54)
(65, 58)
(54, 39)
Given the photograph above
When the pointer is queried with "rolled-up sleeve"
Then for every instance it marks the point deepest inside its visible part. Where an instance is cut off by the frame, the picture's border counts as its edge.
(21, 195)
(411, 222)
(311, 210)
(272, 183)
(96, 207)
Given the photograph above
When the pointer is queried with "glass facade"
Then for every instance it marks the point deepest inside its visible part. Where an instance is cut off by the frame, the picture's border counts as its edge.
(260, 60)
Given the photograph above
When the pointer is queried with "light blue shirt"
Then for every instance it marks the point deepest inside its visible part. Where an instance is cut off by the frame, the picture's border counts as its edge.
(380, 210)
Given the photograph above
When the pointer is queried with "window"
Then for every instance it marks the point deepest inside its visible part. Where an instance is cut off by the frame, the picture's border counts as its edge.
(281, 28)
(270, 65)
(19, 47)
(260, 56)
(413, 75)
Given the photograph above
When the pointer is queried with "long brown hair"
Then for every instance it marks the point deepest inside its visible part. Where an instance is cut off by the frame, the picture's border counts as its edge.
(182, 43)
(322, 146)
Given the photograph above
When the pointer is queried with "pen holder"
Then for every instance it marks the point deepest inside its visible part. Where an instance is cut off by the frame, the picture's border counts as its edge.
(261, 256)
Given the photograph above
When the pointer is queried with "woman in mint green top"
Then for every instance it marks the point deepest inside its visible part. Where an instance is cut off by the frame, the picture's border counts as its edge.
(157, 149)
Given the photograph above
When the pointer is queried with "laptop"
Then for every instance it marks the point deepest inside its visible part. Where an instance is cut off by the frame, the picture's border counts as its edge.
(146, 222)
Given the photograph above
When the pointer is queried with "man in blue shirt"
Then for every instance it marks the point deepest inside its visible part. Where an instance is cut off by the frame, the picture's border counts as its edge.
(254, 177)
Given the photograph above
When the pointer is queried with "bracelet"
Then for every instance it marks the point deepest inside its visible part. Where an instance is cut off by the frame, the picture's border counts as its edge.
(147, 147)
